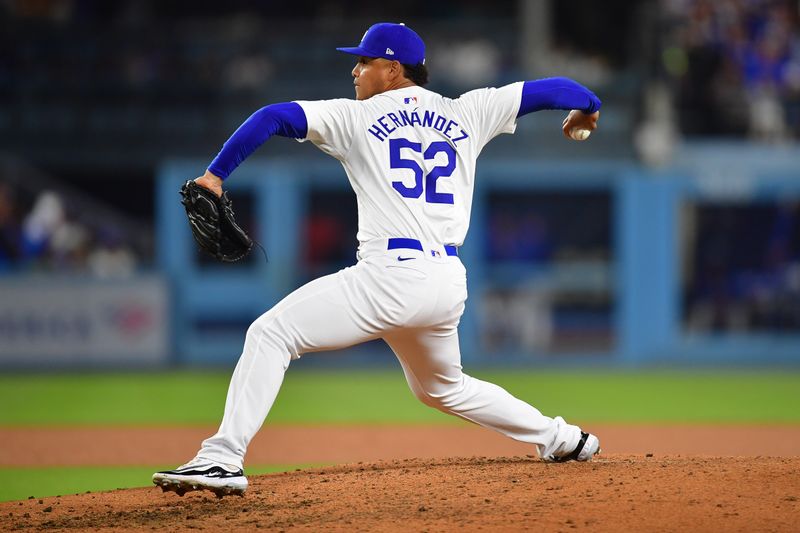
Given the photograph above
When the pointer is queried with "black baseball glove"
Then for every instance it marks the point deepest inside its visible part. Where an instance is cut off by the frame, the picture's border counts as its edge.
(213, 224)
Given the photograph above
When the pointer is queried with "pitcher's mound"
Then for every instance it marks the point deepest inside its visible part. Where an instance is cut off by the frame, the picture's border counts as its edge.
(612, 493)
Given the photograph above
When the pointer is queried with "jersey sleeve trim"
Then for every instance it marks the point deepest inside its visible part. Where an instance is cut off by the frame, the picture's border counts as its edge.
(511, 126)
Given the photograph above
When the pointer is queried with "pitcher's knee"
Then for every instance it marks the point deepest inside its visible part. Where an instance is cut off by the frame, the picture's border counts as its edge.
(265, 336)
(424, 397)
(259, 329)
(444, 397)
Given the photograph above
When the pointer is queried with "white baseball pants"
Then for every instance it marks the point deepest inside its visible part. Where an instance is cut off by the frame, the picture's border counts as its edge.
(413, 300)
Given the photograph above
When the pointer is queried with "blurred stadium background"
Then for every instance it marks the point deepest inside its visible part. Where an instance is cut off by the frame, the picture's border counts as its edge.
(636, 269)
(671, 237)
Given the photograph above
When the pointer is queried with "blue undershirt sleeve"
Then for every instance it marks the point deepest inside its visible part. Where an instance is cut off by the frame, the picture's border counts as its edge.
(557, 93)
(285, 119)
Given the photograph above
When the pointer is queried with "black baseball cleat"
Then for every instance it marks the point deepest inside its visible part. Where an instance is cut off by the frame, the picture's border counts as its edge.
(588, 446)
(202, 474)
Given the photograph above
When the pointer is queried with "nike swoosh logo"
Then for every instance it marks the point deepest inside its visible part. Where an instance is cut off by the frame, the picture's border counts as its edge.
(405, 258)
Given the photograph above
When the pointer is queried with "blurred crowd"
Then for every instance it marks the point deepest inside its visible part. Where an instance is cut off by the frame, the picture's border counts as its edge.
(134, 45)
(519, 237)
(549, 227)
(43, 233)
(734, 66)
(745, 269)
(122, 50)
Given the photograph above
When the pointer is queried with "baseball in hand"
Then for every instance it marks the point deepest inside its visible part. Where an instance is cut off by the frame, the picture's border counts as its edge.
(579, 134)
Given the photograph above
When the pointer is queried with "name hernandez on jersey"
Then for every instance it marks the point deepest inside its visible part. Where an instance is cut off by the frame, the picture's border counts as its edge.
(484, 112)
(383, 127)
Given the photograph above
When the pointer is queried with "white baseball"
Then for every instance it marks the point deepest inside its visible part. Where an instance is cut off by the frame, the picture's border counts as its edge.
(579, 134)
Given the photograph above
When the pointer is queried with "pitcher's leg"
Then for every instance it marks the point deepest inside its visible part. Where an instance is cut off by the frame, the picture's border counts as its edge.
(252, 390)
(431, 361)
(325, 314)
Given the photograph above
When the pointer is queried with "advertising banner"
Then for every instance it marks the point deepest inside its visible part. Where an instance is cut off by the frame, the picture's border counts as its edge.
(65, 321)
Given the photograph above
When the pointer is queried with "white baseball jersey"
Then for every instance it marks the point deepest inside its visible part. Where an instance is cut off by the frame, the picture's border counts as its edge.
(410, 155)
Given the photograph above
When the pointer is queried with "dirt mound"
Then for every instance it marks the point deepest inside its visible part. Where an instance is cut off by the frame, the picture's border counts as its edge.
(613, 493)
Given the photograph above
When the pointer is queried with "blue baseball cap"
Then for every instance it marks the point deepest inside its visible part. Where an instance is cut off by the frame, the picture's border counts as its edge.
(395, 42)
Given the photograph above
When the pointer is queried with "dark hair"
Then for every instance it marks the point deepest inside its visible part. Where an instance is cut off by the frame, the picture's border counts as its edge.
(417, 73)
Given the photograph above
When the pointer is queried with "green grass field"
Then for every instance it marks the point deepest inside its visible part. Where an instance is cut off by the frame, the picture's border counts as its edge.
(191, 398)
(21, 483)
(383, 397)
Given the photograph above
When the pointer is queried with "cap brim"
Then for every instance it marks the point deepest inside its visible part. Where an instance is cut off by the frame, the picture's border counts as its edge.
(356, 51)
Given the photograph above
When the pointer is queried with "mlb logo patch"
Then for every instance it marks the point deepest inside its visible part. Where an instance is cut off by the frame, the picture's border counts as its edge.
(410, 100)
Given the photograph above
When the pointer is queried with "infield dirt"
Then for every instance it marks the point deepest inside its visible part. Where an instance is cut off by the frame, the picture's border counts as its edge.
(650, 478)
(612, 493)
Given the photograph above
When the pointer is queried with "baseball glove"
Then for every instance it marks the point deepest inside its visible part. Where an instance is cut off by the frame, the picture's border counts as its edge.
(213, 224)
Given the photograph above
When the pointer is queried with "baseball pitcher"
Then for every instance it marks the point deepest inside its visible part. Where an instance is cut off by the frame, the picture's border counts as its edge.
(410, 155)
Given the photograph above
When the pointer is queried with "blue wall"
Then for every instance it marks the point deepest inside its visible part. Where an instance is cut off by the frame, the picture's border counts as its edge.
(644, 270)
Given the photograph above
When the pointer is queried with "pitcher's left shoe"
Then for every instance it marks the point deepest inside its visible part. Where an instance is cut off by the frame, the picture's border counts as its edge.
(202, 474)
(588, 446)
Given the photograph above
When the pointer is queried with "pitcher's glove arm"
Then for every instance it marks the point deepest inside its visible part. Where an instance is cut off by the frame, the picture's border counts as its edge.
(213, 224)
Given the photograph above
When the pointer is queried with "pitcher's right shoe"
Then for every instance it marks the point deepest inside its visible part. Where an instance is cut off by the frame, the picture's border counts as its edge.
(587, 447)
(202, 474)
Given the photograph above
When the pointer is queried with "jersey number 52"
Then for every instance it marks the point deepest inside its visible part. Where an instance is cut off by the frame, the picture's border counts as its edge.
(396, 160)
